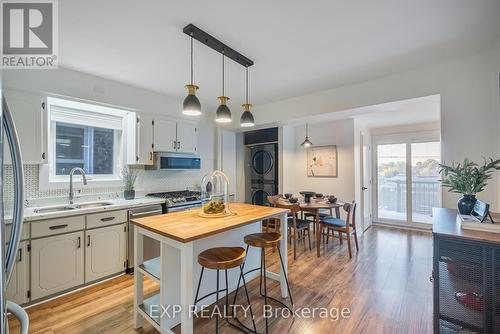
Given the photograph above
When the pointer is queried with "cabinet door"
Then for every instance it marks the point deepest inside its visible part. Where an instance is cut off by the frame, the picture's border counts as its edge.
(26, 109)
(165, 135)
(105, 252)
(56, 264)
(17, 289)
(186, 138)
(145, 139)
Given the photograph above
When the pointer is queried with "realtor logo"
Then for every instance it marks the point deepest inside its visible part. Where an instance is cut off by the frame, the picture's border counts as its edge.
(29, 34)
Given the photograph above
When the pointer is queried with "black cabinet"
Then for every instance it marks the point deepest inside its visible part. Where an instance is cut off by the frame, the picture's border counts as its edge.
(466, 276)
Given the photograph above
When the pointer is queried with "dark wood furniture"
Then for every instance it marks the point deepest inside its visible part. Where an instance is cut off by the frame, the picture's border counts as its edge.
(224, 258)
(466, 276)
(263, 241)
(347, 226)
(315, 206)
(297, 228)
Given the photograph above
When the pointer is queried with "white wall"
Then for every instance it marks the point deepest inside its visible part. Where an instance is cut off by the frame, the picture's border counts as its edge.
(470, 110)
(295, 177)
(76, 85)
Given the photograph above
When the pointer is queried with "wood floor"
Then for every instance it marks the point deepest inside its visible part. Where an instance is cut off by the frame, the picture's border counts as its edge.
(385, 286)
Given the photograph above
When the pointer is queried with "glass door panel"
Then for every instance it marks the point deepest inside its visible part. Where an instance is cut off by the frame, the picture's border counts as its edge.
(425, 194)
(391, 182)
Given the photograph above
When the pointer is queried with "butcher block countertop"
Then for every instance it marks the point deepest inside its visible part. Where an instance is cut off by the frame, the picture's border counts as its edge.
(187, 226)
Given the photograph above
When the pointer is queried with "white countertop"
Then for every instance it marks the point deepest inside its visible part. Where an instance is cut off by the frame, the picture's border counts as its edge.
(30, 213)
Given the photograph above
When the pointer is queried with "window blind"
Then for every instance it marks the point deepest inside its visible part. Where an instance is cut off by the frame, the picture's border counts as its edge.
(85, 117)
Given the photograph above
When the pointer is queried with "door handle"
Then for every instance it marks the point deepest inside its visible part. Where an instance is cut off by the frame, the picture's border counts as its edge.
(79, 243)
(107, 219)
(20, 255)
(88, 240)
(18, 173)
(364, 188)
(175, 144)
(178, 145)
(58, 227)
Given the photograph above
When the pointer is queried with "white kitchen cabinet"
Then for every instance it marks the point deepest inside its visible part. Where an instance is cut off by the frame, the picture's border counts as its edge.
(171, 136)
(30, 121)
(56, 264)
(165, 135)
(105, 252)
(186, 138)
(17, 289)
(145, 140)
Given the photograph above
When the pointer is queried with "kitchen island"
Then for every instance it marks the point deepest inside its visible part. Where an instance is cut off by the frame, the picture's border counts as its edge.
(182, 236)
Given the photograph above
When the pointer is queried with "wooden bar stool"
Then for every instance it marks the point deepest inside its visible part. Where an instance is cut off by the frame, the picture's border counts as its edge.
(224, 258)
(263, 241)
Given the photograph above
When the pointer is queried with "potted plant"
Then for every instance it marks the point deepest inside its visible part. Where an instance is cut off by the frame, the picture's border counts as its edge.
(129, 176)
(468, 179)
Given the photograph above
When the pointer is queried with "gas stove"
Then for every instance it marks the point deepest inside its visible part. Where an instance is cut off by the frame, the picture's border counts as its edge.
(179, 200)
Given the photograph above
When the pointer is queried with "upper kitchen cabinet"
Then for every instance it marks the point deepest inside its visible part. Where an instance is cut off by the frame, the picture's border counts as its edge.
(144, 133)
(29, 114)
(171, 136)
(187, 139)
(165, 135)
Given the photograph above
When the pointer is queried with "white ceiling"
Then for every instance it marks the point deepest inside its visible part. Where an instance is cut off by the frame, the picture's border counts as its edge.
(298, 46)
(405, 112)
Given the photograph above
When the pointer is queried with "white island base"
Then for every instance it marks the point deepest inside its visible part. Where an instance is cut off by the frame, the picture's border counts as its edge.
(177, 272)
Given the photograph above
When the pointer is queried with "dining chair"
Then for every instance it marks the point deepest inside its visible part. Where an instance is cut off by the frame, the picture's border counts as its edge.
(347, 226)
(296, 227)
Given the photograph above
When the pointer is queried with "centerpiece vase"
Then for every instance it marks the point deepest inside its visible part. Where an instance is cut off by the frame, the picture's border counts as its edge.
(466, 204)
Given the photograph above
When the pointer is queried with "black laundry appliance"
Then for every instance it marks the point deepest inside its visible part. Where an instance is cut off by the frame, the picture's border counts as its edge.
(263, 172)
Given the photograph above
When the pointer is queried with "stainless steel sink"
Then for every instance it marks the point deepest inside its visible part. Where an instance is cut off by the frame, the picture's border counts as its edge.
(54, 209)
(93, 205)
(60, 208)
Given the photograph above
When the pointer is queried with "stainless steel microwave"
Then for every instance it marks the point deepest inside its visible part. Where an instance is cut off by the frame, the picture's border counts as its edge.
(177, 161)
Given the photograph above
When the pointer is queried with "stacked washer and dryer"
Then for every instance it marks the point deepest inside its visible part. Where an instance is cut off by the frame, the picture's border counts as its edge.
(262, 165)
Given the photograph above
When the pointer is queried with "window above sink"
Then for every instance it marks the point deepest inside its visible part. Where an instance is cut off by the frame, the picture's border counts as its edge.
(90, 136)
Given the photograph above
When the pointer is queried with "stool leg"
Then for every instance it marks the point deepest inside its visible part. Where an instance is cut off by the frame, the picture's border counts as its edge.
(263, 260)
(239, 281)
(248, 299)
(217, 305)
(199, 284)
(286, 278)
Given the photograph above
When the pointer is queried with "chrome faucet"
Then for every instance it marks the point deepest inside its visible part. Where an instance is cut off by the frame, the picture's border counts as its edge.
(71, 193)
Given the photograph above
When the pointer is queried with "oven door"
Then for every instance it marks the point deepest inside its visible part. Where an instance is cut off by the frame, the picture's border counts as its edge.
(183, 207)
(179, 162)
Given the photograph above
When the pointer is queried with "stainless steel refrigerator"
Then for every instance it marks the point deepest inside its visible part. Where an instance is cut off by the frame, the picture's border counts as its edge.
(10, 243)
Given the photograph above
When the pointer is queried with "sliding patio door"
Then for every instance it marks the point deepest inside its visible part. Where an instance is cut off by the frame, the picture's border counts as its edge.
(407, 180)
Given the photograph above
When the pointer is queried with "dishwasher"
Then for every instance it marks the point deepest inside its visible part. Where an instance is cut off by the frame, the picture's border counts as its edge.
(151, 247)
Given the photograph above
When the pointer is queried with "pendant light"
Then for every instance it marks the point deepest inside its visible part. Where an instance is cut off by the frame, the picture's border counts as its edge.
(191, 105)
(223, 114)
(246, 120)
(306, 142)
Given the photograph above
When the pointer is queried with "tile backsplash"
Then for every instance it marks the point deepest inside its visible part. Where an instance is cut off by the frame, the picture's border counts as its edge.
(148, 181)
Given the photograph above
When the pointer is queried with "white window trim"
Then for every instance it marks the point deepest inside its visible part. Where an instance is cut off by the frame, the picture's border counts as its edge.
(406, 138)
(46, 182)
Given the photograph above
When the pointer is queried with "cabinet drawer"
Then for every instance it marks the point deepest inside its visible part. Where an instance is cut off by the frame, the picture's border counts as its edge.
(57, 226)
(107, 218)
(25, 234)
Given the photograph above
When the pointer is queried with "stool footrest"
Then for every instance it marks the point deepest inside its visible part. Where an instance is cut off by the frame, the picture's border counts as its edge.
(208, 295)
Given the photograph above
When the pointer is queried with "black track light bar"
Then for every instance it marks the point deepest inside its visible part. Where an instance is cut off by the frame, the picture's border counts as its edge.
(214, 43)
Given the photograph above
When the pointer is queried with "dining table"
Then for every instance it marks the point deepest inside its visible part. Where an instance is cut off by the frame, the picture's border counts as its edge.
(315, 205)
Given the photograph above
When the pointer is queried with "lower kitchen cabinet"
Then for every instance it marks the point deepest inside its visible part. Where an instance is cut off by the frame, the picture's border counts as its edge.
(57, 264)
(105, 251)
(17, 289)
